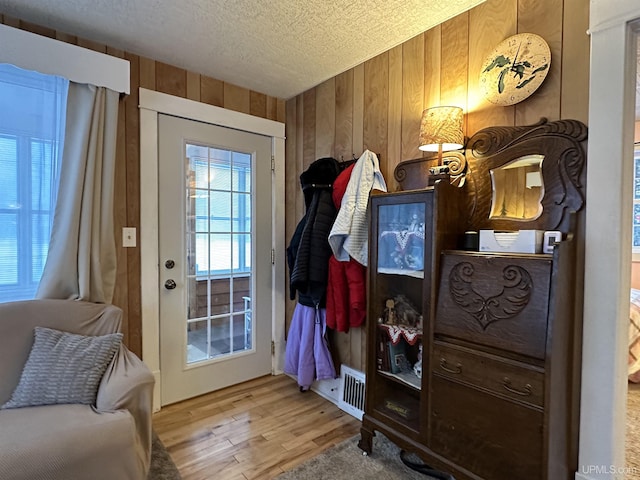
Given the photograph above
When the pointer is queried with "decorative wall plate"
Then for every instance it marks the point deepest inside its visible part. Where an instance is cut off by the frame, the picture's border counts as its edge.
(515, 69)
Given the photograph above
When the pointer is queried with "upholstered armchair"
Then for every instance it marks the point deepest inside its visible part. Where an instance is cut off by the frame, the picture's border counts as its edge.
(75, 402)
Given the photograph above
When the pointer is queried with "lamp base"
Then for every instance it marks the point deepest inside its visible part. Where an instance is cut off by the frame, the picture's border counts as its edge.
(415, 174)
(433, 178)
(439, 170)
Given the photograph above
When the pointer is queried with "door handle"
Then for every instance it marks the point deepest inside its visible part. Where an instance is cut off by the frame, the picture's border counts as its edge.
(170, 284)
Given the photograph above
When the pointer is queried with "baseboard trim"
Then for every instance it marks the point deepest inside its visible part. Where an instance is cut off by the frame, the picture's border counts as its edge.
(327, 389)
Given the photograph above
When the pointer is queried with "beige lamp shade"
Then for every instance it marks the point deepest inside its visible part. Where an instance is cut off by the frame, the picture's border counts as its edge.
(441, 127)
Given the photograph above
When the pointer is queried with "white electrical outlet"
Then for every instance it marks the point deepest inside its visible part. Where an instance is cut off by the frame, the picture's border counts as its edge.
(128, 236)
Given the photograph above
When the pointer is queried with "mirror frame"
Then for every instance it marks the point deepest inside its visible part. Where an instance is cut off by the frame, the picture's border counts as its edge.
(561, 142)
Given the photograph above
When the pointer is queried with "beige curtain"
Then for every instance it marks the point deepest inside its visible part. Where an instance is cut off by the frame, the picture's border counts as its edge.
(81, 263)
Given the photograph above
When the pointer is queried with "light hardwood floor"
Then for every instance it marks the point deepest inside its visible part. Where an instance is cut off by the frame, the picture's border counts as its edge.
(255, 430)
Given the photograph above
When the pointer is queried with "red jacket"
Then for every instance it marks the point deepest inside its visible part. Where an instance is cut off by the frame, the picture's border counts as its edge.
(347, 287)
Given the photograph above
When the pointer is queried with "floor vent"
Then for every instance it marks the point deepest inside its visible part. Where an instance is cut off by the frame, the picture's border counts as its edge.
(351, 398)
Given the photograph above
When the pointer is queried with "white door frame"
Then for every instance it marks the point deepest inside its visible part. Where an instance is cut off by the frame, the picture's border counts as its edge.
(608, 239)
(151, 103)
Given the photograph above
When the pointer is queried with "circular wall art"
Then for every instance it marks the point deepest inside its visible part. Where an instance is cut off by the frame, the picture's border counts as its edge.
(515, 69)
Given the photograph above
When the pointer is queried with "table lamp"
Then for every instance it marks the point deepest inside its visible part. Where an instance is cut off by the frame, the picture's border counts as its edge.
(441, 130)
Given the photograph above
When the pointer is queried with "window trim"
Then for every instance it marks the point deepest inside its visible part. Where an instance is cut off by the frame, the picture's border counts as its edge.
(53, 57)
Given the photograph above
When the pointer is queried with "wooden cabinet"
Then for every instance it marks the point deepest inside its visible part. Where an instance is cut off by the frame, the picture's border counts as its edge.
(403, 253)
(498, 334)
(488, 363)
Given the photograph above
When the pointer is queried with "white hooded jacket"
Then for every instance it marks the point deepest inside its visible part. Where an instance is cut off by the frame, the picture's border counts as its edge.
(349, 235)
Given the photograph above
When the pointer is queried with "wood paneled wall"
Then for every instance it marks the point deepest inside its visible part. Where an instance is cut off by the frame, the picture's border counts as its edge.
(377, 105)
(164, 78)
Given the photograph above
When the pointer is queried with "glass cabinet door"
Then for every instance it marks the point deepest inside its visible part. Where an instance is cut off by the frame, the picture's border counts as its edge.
(401, 239)
(397, 305)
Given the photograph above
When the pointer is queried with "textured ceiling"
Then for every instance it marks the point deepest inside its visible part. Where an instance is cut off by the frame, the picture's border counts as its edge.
(280, 48)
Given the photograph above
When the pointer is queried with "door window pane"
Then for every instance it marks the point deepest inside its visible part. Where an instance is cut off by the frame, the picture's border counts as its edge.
(241, 212)
(221, 250)
(219, 226)
(220, 213)
(198, 338)
(242, 253)
(242, 172)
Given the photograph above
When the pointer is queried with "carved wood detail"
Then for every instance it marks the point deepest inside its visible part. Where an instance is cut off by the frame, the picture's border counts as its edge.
(563, 144)
(512, 299)
(563, 171)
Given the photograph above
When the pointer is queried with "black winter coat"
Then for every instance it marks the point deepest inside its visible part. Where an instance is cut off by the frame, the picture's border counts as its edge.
(309, 251)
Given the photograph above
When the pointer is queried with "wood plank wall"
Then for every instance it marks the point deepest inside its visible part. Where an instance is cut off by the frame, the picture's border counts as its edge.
(153, 75)
(377, 105)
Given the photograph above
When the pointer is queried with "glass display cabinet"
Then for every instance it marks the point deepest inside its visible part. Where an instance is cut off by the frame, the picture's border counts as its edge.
(403, 254)
(398, 287)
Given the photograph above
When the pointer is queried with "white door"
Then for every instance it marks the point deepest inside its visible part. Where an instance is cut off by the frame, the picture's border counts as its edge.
(215, 243)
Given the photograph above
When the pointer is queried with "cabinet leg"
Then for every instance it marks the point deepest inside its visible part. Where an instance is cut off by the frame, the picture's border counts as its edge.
(366, 440)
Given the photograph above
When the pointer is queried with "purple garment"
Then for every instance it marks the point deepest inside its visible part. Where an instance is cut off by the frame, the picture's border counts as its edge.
(307, 354)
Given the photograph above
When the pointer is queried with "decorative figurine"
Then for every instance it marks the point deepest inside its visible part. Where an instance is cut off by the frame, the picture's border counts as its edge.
(405, 312)
(417, 368)
(390, 313)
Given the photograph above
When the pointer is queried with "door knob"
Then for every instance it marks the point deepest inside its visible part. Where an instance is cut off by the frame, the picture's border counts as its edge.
(169, 264)
(170, 284)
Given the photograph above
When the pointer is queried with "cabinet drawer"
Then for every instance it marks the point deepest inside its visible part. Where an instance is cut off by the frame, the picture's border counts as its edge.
(492, 437)
(495, 300)
(505, 377)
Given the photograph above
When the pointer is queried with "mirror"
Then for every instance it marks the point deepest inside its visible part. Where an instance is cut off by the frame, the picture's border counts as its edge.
(517, 189)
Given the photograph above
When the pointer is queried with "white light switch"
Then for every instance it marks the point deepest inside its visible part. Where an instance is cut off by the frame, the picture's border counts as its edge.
(128, 236)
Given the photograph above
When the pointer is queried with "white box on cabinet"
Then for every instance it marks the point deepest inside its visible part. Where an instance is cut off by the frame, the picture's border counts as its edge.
(519, 241)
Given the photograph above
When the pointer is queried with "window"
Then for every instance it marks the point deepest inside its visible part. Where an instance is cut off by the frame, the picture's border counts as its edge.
(636, 200)
(32, 124)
